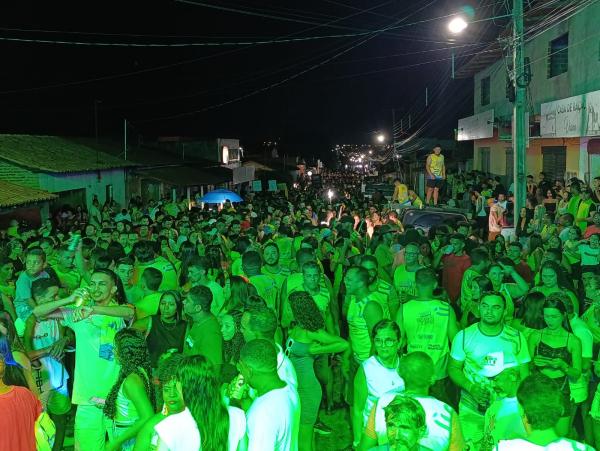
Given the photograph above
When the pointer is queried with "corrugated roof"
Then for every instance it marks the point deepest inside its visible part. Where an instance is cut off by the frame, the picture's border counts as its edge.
(188, 175)
(56, 154)
(11, 194)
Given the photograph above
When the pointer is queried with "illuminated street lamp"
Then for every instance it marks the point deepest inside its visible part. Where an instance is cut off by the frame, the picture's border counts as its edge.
(380, 138)
(457, 25)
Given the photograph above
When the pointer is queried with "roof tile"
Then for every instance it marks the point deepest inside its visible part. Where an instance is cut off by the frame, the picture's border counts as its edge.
(12, 194)
(56, 154)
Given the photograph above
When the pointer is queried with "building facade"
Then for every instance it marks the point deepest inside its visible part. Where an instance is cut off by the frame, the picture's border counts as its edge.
(563, 94)
(73, 172)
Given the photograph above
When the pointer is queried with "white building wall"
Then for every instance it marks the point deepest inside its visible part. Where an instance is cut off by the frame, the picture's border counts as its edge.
(94, 183)
(582, 76)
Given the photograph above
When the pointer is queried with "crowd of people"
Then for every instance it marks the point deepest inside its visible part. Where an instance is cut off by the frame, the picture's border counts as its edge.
(239, 327)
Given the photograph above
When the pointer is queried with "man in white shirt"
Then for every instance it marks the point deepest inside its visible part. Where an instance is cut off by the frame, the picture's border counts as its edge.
(479, 353)
(273, 420)
(262, 323)
(542, 403)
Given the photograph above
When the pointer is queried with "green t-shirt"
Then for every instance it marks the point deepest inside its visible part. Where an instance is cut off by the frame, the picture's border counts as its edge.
(218, 296)
(69, 280)
(573, 205)
(385, 260)
(96, 369)
(169, 274)
(148, 305)
(267, 289)
(205, 338)
(278, 277)
(404, 281)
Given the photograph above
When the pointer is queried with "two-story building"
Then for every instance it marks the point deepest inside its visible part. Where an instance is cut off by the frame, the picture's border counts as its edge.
(562, 58)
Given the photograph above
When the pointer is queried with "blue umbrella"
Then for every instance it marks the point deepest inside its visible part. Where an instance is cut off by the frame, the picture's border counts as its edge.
(220, 196)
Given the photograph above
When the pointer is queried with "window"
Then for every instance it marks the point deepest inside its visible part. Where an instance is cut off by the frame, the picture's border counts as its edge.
(484, 159)
(509, 165)
(554, 162)
(485, 91)
(558, 56)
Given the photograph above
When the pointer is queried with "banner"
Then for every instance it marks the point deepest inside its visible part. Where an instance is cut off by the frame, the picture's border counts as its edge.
(243, 174)
(273, 185)
(257, 185)
(478, 126)
(571, 117)
(562, 118)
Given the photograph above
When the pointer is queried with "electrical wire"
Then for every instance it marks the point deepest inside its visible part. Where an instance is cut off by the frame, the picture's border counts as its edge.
(228, 43)
(153, 69)
(287, 79)
(407, 66)
(256, 76)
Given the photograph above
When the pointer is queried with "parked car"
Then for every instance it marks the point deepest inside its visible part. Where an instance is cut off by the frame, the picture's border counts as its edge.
(426, 218)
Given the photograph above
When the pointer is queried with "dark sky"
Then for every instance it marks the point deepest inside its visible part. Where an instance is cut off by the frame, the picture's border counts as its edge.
(312, 93)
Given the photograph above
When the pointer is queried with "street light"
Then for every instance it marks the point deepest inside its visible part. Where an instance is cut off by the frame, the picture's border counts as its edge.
(457, 25)
(381, 138)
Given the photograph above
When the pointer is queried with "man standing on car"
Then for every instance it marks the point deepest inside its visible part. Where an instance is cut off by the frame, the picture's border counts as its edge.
(436, 174)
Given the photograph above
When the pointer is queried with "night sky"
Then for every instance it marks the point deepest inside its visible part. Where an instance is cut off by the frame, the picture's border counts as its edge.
(311, 93)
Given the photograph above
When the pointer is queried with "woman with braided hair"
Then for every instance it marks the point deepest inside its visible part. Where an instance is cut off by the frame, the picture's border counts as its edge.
(131, 401)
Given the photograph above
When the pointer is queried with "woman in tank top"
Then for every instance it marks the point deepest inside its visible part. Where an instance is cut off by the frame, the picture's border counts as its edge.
(376, 375)
(556, 353)
(307, 339)
(166, 330)
(131, 401)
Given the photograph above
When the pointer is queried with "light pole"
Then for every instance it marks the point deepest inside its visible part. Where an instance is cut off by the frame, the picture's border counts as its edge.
(519, 124)
(456, 26)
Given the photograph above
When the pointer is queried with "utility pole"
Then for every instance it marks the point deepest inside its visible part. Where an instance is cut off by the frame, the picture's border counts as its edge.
(125, 137)
(96, 102)
(396, 162)
(519, 125)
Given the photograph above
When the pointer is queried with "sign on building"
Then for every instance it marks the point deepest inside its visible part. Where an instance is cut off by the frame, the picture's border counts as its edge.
(478, 126)
(243, 174)
(257, 185)
(571, 117)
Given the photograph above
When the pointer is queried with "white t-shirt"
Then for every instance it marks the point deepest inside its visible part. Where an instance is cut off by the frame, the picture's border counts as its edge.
(51, 375)
(504, 420)
(440, 418)
(170, 430)
(285, 368)
(563, 444)
(485, 357)
(579, 388)
(273, 421)
(285, 371)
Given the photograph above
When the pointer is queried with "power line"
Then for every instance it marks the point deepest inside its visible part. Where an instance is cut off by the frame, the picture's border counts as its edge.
(285, 80)
(260, 74)
(158, 68)
(224, 43)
